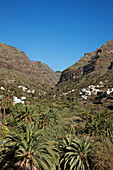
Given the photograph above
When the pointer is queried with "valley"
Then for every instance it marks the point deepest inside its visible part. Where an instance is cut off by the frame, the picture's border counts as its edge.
(56, 120)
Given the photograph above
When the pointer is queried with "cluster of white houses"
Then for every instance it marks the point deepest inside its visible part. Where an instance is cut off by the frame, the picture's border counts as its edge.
(16, 100)
(25, 89)
(65, 94)
(90, 90)
(84, 93)
(93, 90)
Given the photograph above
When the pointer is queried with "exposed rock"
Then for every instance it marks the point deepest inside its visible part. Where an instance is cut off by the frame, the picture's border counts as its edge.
(111, 66)
(91, 67)
(16, 66)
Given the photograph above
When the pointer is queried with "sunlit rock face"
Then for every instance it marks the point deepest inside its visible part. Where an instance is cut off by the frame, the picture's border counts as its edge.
(91, 66)
(16, 68)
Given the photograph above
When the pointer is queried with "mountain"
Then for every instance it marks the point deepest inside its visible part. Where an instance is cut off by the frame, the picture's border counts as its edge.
(16, 68)
(90, 69)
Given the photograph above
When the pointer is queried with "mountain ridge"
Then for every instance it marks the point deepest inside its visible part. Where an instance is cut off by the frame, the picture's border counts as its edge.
(16, 68)
(90, 68)
(15, 65)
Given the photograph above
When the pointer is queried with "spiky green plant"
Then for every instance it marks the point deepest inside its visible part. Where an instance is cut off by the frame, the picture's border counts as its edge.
(26, 148)
(24, 113)
(48, 119)
(75, 154)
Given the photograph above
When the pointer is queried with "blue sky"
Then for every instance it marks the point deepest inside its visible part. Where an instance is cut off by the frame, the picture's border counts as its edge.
(56, 32)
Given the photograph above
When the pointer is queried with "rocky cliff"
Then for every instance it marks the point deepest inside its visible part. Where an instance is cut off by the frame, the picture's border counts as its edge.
(91, 67)
(16, 68)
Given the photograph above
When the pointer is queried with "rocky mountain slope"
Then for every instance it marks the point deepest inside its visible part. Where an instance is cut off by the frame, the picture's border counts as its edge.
(91, 68)
(16, 68)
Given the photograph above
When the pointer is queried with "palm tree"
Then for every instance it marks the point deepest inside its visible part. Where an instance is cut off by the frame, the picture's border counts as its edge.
(47, 119)
(6, 102)
(75, 154)
(24, 113)
(27, 149)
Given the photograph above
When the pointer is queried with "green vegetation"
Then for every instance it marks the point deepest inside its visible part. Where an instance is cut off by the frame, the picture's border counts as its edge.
(76, 153)
(26, 148)
(55, 128)
(56, 134)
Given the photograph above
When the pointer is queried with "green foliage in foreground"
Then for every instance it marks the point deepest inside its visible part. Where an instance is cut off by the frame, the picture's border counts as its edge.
(75, 153)
(26, 148)
(34, 127)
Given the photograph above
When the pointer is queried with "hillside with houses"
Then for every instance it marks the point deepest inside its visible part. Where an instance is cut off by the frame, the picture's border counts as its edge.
(92, 68)
(17, 69)
(47, 123)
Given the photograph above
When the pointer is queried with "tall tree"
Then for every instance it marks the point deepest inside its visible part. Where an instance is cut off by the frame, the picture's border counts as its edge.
(6, 102)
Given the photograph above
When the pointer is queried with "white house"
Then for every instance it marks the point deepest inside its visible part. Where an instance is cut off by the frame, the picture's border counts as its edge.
(29, 91)
(97, 86)
(95, 91)
(23, 98)
(16, 100)
(33, 91)
(83, 90)
(2, 88)
(54, 96)
(84, 97)
(23, 88)
(88, 92)
(108, 92)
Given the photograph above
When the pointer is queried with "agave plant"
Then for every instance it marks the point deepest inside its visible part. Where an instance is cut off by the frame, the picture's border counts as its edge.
(75, 154)
(27, 149)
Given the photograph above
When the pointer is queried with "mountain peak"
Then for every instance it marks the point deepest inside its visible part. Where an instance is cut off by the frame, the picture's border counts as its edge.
(91, 67)
(108, 47)
(16, 67)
